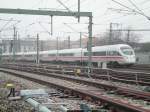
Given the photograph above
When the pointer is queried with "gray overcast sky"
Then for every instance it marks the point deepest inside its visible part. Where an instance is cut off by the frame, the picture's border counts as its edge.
(101, 16)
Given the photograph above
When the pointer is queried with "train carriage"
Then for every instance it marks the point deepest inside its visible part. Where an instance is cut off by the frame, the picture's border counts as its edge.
(120, 53)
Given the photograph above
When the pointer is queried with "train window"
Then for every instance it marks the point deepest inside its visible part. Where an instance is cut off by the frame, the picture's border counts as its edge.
(17, 55)
(66, 54)
(28, 55)
(86, 54)
(51, 55)
(113, 53)
(127, 50)
(102, 53)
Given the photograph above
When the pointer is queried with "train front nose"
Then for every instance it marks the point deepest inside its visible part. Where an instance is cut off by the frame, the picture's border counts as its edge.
(130, 59)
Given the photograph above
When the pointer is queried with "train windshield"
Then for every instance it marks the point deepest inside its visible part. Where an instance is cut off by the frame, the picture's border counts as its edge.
(127, 50)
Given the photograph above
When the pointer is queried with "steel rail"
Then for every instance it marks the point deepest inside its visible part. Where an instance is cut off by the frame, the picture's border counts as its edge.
(94, 97)
(139, 94)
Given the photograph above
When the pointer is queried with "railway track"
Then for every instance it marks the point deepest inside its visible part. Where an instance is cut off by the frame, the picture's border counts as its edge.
(118, 90)
(87, 81)
(135, 67)
(125, 76)
(141, 67)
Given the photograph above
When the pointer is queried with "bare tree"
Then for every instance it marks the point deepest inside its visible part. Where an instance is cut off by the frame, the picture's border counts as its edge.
(118, 37)
(131, 37)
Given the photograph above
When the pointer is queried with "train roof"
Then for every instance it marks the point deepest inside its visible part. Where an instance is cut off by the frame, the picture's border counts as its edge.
(5, 54)
(48, 52)
(75, 50)
(109, 47)
(71, 50)
(29, 53)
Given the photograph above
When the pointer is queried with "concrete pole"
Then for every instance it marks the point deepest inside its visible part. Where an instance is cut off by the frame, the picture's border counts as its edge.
(90, 47)
(128, 36)
(19, 43)
(69, 42)
(79, 10)
(37, 46)
(14, 43)
(51, 25)
(57, 50)
(110, 34)
(80, 39)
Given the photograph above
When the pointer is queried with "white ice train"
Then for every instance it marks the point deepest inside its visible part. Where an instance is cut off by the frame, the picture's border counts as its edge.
(121, 54)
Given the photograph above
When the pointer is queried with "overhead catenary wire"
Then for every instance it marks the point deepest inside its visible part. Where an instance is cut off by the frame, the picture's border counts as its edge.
(61, 5)
(5, 24)
(15, 24)
(8, 19)
(44, 28)
(122, 11)
(64, 5)
(8, 22)
(74, 29)
(136, 6)
(78, 23)
(98, 24)
(71, 27)
(145, 1)
(125, 6)
(115, 18)
(131, 9)
(109, 17)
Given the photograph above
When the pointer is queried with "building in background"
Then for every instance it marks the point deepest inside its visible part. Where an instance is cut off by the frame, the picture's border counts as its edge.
(29, 44)
(24, 45)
